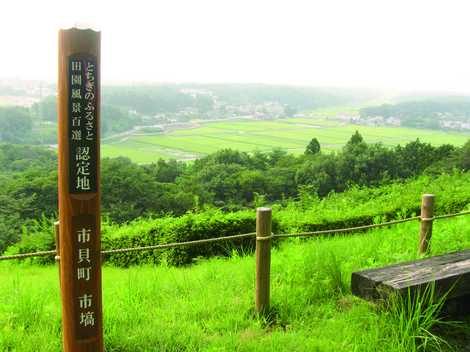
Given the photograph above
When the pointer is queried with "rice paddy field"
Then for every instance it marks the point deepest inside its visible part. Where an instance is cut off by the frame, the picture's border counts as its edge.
(250, 135)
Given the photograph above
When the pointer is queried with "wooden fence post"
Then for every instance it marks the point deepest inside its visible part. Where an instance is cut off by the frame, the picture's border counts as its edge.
(263, 258)
(425, 231)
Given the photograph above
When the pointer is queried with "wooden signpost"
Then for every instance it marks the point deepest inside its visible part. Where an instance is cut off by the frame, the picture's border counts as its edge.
(79, 189)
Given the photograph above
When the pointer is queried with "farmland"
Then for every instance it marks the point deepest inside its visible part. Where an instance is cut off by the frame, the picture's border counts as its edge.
(250, 135)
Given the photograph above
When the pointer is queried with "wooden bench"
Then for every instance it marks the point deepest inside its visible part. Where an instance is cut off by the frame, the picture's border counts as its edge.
(448, 271)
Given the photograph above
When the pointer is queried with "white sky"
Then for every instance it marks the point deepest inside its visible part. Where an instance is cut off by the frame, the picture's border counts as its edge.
(400, 44)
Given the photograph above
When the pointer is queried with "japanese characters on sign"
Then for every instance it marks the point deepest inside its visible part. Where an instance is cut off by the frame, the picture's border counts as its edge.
(78, 107)
(85, 265)
(82, 124)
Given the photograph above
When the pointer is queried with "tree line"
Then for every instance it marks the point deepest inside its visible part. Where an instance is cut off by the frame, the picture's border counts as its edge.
(424, 113)
(227, 179)
(37, 125)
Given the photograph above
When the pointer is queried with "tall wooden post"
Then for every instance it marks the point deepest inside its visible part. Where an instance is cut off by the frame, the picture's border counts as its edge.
(425, 231)
(263, 258)
(79, 189)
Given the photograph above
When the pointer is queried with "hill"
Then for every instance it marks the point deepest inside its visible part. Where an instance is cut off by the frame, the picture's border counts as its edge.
(209, 306)
(355, 207)
(445, 113)
(154, 300)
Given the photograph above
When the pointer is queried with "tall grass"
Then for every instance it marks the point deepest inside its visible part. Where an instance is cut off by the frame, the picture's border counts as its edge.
(209, 306)
(417, 316)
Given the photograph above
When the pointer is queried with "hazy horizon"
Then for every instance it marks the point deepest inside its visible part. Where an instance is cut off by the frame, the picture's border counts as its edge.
(399, 46)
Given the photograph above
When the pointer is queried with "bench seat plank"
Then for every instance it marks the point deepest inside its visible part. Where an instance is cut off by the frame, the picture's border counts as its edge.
(450, 270)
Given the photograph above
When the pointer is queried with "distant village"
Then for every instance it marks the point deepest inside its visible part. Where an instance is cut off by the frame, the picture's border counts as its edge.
(221, 110)
(27, 92)
(444, 120)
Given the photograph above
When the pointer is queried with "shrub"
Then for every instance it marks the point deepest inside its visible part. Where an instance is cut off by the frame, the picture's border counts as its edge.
(356, 207)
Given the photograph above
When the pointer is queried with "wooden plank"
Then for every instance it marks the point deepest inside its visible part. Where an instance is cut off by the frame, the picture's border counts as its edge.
(447, 271)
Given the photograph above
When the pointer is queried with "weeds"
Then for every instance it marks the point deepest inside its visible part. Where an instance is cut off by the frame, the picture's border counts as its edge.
(206, 307)
(415, 318)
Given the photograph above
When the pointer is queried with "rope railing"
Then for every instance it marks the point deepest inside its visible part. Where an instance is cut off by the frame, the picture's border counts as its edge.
(245, 235)
(178, 244)
(29, 255)
(450, 215)
(348, 229)
(136, 249)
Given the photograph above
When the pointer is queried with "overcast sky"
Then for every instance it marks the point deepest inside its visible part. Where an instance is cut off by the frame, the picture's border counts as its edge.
(410, 44)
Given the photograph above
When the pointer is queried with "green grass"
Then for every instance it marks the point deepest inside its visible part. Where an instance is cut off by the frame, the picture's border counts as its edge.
(139, 152)
(250, 135)
(209, 306)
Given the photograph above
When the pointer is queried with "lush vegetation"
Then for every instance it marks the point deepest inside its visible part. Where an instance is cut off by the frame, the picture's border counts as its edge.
(209, 306)
(227, 179)
(15, 125)
(113, 119)
(196, 307)
(314, 172)
(356, 207)
(38, 124)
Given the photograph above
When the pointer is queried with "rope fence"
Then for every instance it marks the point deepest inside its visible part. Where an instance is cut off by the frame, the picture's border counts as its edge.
(179, 244)
(29, 255)
(245, 235)
(348, 229)
(450, 215)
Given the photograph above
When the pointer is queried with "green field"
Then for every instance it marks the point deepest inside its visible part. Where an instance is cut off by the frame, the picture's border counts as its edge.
(209, 306)
(250, 135)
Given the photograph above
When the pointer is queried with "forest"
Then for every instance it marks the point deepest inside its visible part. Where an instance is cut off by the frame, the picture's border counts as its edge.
(37, 125)
(228, 179)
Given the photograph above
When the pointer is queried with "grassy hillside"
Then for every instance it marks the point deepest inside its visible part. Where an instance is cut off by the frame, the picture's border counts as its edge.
(356, 207)
(209, 306)
(249, 135)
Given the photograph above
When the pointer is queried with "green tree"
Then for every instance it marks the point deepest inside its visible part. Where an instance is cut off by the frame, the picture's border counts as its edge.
(18, 158)
(414, 158)
(15, 125)
(355, 139)
(313, 147)
(252, 182)
(166, 170)
(320, 174)
(464, 157)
